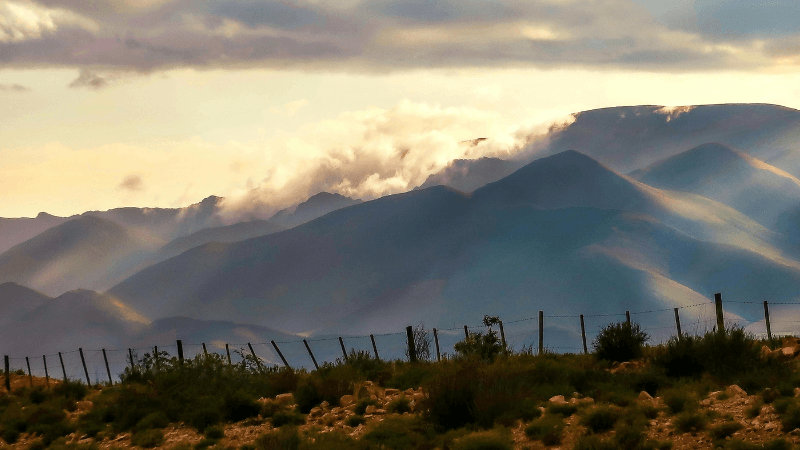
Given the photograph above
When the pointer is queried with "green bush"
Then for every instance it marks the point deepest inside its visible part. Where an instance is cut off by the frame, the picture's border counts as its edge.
(361, 406)
(354, 421)
(547, 429)
(486, 440)
(725, 355)
(269, 408)
(395, 433)
(620, 342)
(782, 405)
(214, 433)
(753, 411)
(563, 409)
(790, 418)
(724, 430)
(369, 368)
(399, 405)
(600, 419)
(284, 439)
(282, 418)
(238, 406)
(775, 444)
(690, 422)
(153, 420)
(593, 442)
(679, 400)
(147, 438)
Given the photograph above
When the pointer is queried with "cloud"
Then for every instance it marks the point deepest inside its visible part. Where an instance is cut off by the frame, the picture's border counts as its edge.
(132, 183)
(89, 79)
(385, 35)
(4, 87)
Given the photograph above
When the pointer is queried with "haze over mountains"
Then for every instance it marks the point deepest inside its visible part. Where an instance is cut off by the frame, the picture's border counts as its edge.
(710, 203)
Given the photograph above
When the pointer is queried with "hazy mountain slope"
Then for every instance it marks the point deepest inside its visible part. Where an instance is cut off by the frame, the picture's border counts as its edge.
(628, 138)
(14, 231)
(84, 252)
(17, 300)
(229, 233)
(633, 137)
(466, 175)
(541, 232)
(316, 206)
(760, 191)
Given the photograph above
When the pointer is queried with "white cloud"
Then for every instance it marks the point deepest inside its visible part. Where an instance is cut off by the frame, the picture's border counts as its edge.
(20, 21)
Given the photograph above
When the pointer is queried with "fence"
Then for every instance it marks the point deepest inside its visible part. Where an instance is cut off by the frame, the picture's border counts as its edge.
(569, 332)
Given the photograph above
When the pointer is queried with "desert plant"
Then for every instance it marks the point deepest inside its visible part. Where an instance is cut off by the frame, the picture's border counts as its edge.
(620, 342)
(148, 438)
(361, 406)
(354, 421)
(600, 419)
(422, 343)
(483, 346)
(724, 430)
(286, 438)
(399, 405)
(690, 422)
(547, 429)
(486, 440)
(282, 418)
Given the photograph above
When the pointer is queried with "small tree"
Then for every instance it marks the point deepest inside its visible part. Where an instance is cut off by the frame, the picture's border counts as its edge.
(483, 346)
(622, 341)
(422, 343)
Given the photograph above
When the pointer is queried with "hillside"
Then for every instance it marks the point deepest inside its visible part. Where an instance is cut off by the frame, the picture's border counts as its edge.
(17, 300)
(83, 252)
(564, 233)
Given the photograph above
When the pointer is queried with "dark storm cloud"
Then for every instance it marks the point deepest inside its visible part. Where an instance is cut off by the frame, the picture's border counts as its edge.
(358, 35)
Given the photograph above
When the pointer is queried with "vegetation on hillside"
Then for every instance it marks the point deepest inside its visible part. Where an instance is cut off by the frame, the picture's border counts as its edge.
(472, 400)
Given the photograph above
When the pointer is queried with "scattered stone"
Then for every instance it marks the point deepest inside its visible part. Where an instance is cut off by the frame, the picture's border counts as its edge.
(558, 400)
(645, 396)
(371, 409)
(766, 351)
(285, 399)
(735, 391)
(324, 405)
(391, 391)
(347, 400)
(84, 405)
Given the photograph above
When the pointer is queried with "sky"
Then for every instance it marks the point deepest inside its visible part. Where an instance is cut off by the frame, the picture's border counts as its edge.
(161, 103)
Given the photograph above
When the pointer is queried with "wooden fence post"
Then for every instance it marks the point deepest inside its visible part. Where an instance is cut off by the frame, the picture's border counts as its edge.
(466, 332)
(180, 351)
(258, 361)
(30, 376)
(63, 369)
(280, 354)
(155, 355)
(436, 341)
(130, 356)
(8, 373)
(374, 347)
(678, 324)
(766, 319)
(541, 332)
(344, 351)
(85, 370)
(46, 374)
(583, 336)
(503, 337)
(720, 318)
(628, 317)
(412, 351)
(205, 352)
(314, 360)
(228, 352)
(108, 370)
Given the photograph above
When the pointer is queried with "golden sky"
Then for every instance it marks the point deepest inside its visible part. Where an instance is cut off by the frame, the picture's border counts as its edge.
(164, 102)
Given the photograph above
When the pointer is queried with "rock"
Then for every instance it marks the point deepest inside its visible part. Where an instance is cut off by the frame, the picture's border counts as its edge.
(285, 399)
(347, 400)
(84, 405)
(714, 394)
(645, 396)
(379, 411)
(410, 391)
(315, 412)
(787, 351)
(558, 400)
(588, 400)
(371, 409)
(373, 397)
(797, 392)
(765, 352)
(324, 405)
(391, 391)
(735, 391)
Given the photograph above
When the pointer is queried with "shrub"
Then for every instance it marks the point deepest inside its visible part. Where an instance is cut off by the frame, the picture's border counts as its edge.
(484, 347)
(214, 433)
(724, 430)
(369, 368)
(564, 409)
(775, 444)
(753, 411)
(269, 408)
(678, 401)
(361, 406)
(422, 344)
(790, 418)
(487, 440)
(620, 342)
(690, 422)
(782, 405)
(395, 433)
(153, 420)
(547, 429)
(399, 405)
(237, 406)
(601, 419)
(354, 421)
(73, 390)
(282, 418)
(593, 442)
(724, 355)
(283, 439)
(147, 438)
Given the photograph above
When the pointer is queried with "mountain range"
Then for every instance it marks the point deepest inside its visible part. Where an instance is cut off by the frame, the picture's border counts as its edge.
(631, 208)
